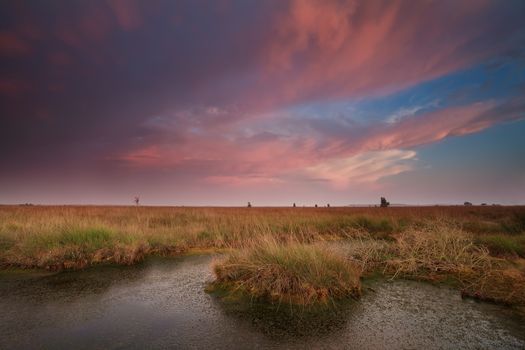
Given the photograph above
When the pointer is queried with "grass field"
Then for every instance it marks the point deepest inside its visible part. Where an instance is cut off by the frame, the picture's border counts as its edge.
(479, 249)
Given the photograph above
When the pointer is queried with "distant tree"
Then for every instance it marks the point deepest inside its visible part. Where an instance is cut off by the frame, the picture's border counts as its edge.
(328, 205)
(136, 200)
(316, 205)
(294, 205)
(384, 202)
(467, 203)
(249, 205)
(483, 204)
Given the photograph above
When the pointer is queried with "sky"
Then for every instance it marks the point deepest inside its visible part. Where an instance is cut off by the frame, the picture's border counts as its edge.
(273, 102)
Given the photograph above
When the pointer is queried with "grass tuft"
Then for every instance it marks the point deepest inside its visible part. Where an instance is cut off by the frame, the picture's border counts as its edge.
(437, 248)
(294, 273)
(503, 245)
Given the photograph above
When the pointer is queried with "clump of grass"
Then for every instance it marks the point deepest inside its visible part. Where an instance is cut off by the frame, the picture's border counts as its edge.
(437, 248)
(366, 252)
(503, 245)
(421, 251)
(506, 286)
(295, 273)
(440, 251)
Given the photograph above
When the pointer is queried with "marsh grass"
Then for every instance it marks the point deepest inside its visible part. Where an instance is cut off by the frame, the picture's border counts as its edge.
(293, 273)
(476, 247)
(437, 248)
(503, 244)
(48, 236)
(504, 285)
(438, 251)
(74, 237)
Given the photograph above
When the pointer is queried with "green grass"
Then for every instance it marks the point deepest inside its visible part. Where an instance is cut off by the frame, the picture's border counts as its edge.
(87, 239)
(95, 238)
(501, 244)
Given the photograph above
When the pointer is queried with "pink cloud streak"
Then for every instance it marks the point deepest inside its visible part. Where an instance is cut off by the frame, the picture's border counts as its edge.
(235, 158)
(341, 49)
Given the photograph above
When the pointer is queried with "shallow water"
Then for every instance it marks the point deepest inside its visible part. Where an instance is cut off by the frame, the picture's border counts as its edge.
(162, 304)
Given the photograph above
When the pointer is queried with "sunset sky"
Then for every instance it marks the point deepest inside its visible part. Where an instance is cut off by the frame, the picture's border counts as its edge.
(273, 102)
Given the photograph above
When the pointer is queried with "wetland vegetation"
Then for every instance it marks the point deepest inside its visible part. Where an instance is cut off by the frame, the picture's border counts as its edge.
(297, 255)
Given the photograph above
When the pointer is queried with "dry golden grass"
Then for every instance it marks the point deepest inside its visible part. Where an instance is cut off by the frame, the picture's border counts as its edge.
(58, 237)
(437, 248)
(292, 272)
(439, 251)
(476, 246)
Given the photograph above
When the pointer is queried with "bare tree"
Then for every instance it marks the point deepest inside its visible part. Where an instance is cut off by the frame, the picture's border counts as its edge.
(136, 200)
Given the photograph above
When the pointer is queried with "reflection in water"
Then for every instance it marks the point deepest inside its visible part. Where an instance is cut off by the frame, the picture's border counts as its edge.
(282, 321)
(162, 304)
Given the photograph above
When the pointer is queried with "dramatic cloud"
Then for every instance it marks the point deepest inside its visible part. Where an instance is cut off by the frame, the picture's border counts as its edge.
(336, 49)
(363, 168)
(358, 155)
(262, 95)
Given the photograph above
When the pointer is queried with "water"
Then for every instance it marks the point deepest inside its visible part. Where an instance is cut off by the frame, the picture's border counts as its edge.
(162, 304)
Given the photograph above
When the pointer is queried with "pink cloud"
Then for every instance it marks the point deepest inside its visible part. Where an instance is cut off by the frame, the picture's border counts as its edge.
(12, 45)
(341, 49)
(382, 149)
(233, 180)
(147, 156)
(127, 13)
(362, 168)
(431, 127)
